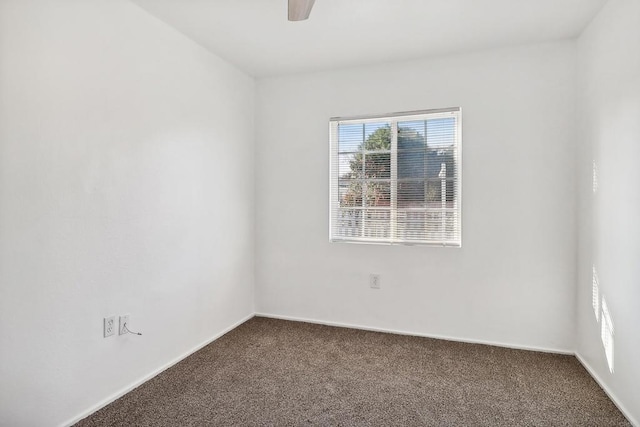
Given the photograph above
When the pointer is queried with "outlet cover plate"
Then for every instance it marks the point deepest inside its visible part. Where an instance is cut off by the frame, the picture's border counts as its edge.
(109, 324)
(374, 281)
(124, 320)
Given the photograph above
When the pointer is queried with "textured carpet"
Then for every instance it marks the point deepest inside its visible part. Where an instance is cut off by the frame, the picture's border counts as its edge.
(280, 373)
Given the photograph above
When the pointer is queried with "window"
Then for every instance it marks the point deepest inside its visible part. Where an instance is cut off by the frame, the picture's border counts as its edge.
(396, 178)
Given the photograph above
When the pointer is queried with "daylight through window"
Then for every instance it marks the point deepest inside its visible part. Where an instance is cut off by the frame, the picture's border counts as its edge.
(607, 334)
(396, 179)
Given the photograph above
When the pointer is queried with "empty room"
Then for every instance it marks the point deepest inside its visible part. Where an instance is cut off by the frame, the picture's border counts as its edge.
(329, 212)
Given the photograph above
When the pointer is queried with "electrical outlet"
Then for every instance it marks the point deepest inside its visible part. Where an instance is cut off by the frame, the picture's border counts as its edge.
(374, 281)
(109, 326)
(124, 324)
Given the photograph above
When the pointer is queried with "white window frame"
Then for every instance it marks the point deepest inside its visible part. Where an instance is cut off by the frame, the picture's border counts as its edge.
(393, 119)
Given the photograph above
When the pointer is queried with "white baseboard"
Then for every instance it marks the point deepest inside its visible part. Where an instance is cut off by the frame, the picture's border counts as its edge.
(152, 374)
(607, 390)
(416, 334)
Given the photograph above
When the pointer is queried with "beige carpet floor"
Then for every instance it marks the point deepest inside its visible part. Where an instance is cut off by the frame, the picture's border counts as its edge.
(279, 373)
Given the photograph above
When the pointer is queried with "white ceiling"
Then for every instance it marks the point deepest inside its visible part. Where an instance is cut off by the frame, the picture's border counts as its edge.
(256, 36)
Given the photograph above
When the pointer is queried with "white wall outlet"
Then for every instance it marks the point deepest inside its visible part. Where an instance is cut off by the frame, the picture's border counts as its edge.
(109, 326)
(374, 281)
(124, 324)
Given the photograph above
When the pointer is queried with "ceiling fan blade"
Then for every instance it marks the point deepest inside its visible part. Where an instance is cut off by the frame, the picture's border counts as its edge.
(299, 10)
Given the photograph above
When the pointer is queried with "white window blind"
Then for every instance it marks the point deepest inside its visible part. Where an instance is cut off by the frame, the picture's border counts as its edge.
(396, 178)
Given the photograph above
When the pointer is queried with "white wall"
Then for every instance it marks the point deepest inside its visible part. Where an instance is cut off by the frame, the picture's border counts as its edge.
(126, 186)
(609, 236)
(513, 281)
